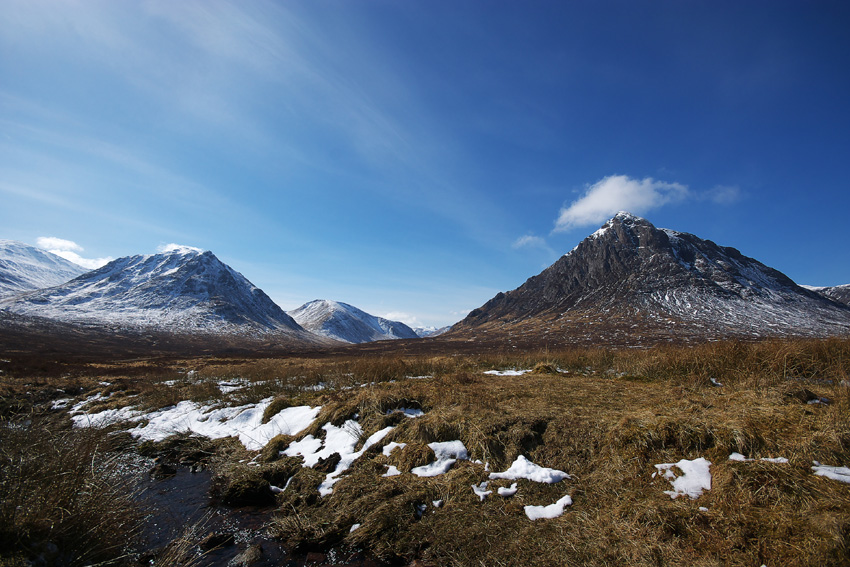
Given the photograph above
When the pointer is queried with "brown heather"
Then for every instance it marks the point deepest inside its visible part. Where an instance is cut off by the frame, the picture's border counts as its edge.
(605, 416)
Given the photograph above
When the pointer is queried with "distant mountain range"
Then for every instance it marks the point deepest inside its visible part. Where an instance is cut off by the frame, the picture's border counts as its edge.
(632, 281)
(343, 322)
(627, 283)
(26, 268)
(180, 291)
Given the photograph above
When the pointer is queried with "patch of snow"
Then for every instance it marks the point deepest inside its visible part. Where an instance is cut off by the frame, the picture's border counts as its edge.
(60, 404)
(481, 490)
(340, 440)
(738, 457)
(391, 446)
(391, 471)
(695, 477)
(507, 492)
(354, 527)
(244, 422)
(447, 453)
(781, 460)
(548, 512)
(841, 474)
(507, 372)
(407, 412)
(437, 503)
(523, 468)
(105, 417)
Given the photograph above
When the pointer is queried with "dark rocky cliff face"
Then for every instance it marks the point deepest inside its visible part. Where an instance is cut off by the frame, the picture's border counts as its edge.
(631, 268)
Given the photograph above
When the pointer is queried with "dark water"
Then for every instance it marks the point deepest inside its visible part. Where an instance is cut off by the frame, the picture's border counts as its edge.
(180, 506)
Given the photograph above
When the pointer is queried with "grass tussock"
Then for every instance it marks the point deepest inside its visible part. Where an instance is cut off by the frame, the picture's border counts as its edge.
(63, 497)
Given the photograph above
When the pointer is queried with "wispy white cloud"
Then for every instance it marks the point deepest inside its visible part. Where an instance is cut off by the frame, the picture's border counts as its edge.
(529, 241)
(69, 250)
(617, 193)
(403, 317)
(723, 194)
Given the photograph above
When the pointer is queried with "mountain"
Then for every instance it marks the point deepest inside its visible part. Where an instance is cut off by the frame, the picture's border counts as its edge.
(26, 268)
(840, 293)
(632, 281)
(347, 323)
(180, 291)
(423, 332)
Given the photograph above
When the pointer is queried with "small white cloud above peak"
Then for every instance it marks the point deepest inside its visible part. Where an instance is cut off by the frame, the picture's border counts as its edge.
(69, 249)
(52, 243)
(614, 194)
(178, 249)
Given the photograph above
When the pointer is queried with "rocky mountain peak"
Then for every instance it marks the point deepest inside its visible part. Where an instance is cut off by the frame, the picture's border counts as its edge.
(630, 268)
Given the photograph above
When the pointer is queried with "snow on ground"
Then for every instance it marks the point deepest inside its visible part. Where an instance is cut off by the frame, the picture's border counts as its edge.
(408, 412)
(523, 468)
(392, 445)
(738, 457)
(841, 474)
(340, 440)
(507, 372)
(244, 422)
(550, 511)
(695, 477)
(447, 453)
(507, 492)
(391, 471)
(481, 490)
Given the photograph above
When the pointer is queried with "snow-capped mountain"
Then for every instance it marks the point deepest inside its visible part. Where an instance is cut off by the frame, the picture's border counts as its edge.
(840, 293)
(431, 331)
(631, 277)
(26, 268)
(347, 323)
(182, 290)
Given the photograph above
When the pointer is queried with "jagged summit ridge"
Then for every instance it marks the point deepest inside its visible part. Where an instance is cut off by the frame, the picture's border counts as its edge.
(26, 268)
(344, 322)
(181, 290)
(630, 268)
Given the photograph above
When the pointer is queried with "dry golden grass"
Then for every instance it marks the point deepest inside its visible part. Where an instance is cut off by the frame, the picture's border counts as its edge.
(604, 416)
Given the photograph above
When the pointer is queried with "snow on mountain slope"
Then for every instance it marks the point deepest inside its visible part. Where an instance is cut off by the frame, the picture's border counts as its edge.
(629, 269)
(26, 268)
(347, 323)
(182, 290)
(431, 331)
(840, 293)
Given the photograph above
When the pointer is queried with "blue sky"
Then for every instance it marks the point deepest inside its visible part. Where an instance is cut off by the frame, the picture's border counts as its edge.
(414, 158)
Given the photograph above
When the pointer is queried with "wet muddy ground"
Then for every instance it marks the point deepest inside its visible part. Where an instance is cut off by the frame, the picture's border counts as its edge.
(180, 506)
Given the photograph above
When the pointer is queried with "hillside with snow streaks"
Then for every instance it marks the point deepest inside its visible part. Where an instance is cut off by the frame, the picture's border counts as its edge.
(347, 323)
(629, 270)
(25, 268)
(182, 290)
(840, 293)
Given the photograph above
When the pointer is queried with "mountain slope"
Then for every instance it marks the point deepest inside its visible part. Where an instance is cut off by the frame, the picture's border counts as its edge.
(26, 268)
(839, 293)
(423, 332)
(347, 323)
(180, 291)
(633, 276)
